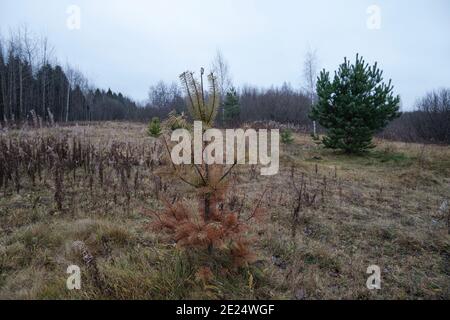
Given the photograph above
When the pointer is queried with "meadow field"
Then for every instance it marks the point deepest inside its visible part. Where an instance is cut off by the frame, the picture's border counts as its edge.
(81, 195)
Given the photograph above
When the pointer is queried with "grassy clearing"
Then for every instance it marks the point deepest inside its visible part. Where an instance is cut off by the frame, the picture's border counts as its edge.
(380, 208)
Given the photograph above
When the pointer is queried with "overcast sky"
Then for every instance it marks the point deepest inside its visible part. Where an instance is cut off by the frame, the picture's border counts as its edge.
(129, 45)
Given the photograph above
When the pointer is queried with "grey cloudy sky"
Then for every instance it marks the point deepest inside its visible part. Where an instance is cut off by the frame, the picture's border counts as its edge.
(129, 45)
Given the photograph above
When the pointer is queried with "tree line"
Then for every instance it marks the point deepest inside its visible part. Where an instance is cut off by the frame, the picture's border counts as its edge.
(429, 122)
(31, 85)
(34, 85)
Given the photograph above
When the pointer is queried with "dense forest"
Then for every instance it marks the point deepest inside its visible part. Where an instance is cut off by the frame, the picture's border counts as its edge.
(35, 87)
(32, 83)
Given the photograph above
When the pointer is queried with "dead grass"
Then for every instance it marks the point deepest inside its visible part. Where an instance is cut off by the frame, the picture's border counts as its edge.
(381, 208)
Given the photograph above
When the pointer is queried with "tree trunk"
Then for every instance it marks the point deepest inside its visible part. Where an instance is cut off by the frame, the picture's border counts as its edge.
(20, 91)
(67, 103)
(11, 94)
(43, 96)
(4, 95)
(207, 199)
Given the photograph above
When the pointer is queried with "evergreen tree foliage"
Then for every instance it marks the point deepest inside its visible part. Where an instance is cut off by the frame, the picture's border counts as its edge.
(202, 107)
(232, 109)
(354, 105)
(286, 136)
(154, 128)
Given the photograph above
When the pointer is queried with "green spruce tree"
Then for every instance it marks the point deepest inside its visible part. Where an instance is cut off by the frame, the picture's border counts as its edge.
(232, 108)
(154, 128)
(354, 105)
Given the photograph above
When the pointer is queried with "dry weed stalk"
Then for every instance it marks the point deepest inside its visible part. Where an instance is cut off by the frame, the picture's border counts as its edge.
(302, 198)
(91, 264)
(73, 164)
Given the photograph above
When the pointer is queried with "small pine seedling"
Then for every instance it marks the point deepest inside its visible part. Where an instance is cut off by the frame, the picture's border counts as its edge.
(286, 136)
(154, 128)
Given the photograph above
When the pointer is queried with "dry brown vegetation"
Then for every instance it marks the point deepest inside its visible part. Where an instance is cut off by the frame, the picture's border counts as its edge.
(79, 195)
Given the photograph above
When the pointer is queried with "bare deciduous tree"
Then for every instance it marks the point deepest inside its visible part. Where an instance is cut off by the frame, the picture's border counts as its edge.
(46, 53)
(432, 121)
(163, 95)
(221, 69)
(75, 79)
(310, 68)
